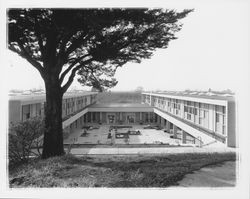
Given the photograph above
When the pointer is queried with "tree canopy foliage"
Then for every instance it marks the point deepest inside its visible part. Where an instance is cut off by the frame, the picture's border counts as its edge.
(93, 40)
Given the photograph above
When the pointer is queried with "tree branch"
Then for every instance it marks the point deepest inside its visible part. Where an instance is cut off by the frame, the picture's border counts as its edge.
(65, 39)
(38, 35)
(76, 43)
(70, 67)
(72, 75)
(23, 53)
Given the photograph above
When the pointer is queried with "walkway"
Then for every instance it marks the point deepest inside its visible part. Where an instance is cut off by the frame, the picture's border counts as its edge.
(151, 150)
(223, 175)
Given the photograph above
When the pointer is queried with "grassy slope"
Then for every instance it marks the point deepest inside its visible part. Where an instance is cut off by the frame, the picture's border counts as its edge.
(119, 97)
(112, 171)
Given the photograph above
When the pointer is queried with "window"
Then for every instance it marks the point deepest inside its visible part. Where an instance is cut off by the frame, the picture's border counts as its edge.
(185, 109)
(219, 118)
(205, 114)
(201, 113)
(190, 110)
(200, 121)
(27, 115)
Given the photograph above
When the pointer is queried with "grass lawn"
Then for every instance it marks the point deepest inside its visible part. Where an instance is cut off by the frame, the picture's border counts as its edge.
(112, 171)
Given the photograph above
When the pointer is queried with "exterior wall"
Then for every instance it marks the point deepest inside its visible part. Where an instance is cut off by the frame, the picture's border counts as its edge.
(137, 117)
(88, 100)
(15, 111)
(120, 109)
(25, 112)
(212, 115)
(187, 128)
(104, 117)
(72, 108)
(121, 117)
(232, 140)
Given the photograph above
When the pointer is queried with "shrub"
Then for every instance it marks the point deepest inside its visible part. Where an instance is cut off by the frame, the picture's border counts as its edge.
(25, 139)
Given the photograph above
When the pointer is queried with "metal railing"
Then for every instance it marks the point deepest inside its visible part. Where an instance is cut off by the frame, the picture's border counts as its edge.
(206, 131)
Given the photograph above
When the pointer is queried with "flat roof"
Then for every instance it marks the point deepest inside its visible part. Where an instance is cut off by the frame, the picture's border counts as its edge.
(201, 95)
(119, 105)
(41, 97)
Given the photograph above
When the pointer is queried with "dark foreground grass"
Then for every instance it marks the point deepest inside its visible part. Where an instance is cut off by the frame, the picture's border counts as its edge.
(112, 171)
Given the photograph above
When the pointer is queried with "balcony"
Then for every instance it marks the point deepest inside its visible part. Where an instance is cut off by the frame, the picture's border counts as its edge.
(208, 132)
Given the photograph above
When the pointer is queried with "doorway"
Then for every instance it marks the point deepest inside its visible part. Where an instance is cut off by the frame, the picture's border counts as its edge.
(130, 119)
(111, 119)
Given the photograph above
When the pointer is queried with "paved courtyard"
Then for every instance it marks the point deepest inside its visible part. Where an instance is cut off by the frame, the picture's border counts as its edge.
(100, 136)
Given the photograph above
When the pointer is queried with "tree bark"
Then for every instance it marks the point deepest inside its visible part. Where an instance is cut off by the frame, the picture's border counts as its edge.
(53, 135)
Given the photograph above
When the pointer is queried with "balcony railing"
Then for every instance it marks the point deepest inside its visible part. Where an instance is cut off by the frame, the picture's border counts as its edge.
(74, 113)
(208, 132)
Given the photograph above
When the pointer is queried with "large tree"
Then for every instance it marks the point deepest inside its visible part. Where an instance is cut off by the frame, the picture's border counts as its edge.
(61, 42)
(98, 76)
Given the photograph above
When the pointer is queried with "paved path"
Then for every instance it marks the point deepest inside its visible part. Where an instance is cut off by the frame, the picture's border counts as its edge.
(151, 150)
(223, 175)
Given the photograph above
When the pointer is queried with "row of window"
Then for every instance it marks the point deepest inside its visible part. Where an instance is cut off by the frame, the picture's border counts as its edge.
(70, 103)
(195, 112)
(68, 106)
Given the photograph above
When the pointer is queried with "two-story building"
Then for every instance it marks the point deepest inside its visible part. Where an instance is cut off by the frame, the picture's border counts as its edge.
(197, 118)
(74, 106)
(204, 117)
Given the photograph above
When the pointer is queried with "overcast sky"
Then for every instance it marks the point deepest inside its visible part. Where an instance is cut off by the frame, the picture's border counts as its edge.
(211, 52)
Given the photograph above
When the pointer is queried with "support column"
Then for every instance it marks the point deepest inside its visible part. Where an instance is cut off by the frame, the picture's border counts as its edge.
(158, 119)
(162, 122)
(140, 116)
(84, 118)
(175, 131)
(184, 135)
(91, 117)
(168, 126)
(100, 117)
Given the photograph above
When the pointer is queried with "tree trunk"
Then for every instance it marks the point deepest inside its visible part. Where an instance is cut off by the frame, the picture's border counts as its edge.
(53, 135)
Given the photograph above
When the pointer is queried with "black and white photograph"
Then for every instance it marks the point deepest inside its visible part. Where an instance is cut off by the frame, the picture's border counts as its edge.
(125, 99)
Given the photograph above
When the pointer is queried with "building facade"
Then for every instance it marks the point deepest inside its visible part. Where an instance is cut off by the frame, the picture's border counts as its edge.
(197, 119)
(208, 119)
(120, 114)
(74, 106)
